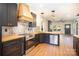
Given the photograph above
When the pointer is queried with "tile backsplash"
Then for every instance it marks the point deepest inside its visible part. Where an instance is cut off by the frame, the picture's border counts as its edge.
(7, 30)
(21, 28)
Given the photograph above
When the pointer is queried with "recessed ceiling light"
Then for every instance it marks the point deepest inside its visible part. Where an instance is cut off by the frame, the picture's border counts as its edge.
(42, 13)
(53, 11)
(77, 15)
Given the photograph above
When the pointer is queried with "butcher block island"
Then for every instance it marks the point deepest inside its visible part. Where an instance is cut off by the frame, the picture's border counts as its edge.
(48, 37)
(12, 45)
(52, 38)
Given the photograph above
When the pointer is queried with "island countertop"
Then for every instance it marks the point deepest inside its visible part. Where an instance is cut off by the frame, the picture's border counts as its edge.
(11, 37)
(77, 36)
(16, 36)
(57, 32)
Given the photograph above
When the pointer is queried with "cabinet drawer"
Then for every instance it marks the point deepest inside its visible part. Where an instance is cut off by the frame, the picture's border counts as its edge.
(0, 51)
(8, 43)
(8, 50)
(13, 48)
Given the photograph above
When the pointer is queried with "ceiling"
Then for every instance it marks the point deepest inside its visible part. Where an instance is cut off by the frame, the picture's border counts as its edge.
(63, 11)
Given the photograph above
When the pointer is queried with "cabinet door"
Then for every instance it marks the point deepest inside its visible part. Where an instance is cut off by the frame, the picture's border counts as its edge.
(74, 43)
(46, 38)
(3, 14)
(0, 48)
(0, 51)
(37, 38)
(77, 46)
(0, 39)
(13, 48)
(12, 14)
(41, 38)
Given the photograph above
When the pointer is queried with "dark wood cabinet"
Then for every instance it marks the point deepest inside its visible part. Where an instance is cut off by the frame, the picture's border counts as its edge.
(12, 14)
(76, 45)
(36, 39)
(32, 42)
(8, 14)
(0, 48)
(44, 38)
(13, 48)
(0, 40)
(3, 14)
(49, 38)
(41, 38)
(29, 43)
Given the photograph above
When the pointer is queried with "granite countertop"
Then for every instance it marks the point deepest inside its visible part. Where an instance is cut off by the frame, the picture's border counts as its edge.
(11, 37)
(76, 36)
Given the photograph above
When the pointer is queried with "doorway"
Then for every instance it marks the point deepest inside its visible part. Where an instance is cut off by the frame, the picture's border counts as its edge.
(68, 29)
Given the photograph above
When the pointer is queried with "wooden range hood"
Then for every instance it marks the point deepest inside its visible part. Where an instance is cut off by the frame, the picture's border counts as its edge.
(24, 13)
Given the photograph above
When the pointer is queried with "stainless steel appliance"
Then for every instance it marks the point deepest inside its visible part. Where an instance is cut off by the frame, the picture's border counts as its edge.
(54, 39)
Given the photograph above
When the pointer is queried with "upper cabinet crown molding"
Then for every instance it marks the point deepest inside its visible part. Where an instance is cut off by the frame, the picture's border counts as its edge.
(24, 12)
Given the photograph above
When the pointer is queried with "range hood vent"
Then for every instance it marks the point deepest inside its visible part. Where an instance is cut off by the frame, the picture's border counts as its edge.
(24, 13)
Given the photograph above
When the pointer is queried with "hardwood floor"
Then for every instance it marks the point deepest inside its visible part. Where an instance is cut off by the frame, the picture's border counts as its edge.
(44, 49)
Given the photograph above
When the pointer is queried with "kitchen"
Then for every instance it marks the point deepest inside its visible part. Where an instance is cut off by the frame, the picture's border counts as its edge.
(28, 28)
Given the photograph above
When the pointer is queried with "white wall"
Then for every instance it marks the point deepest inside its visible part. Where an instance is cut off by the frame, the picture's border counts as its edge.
(45, 24)
(62, 26)
(39, 21)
